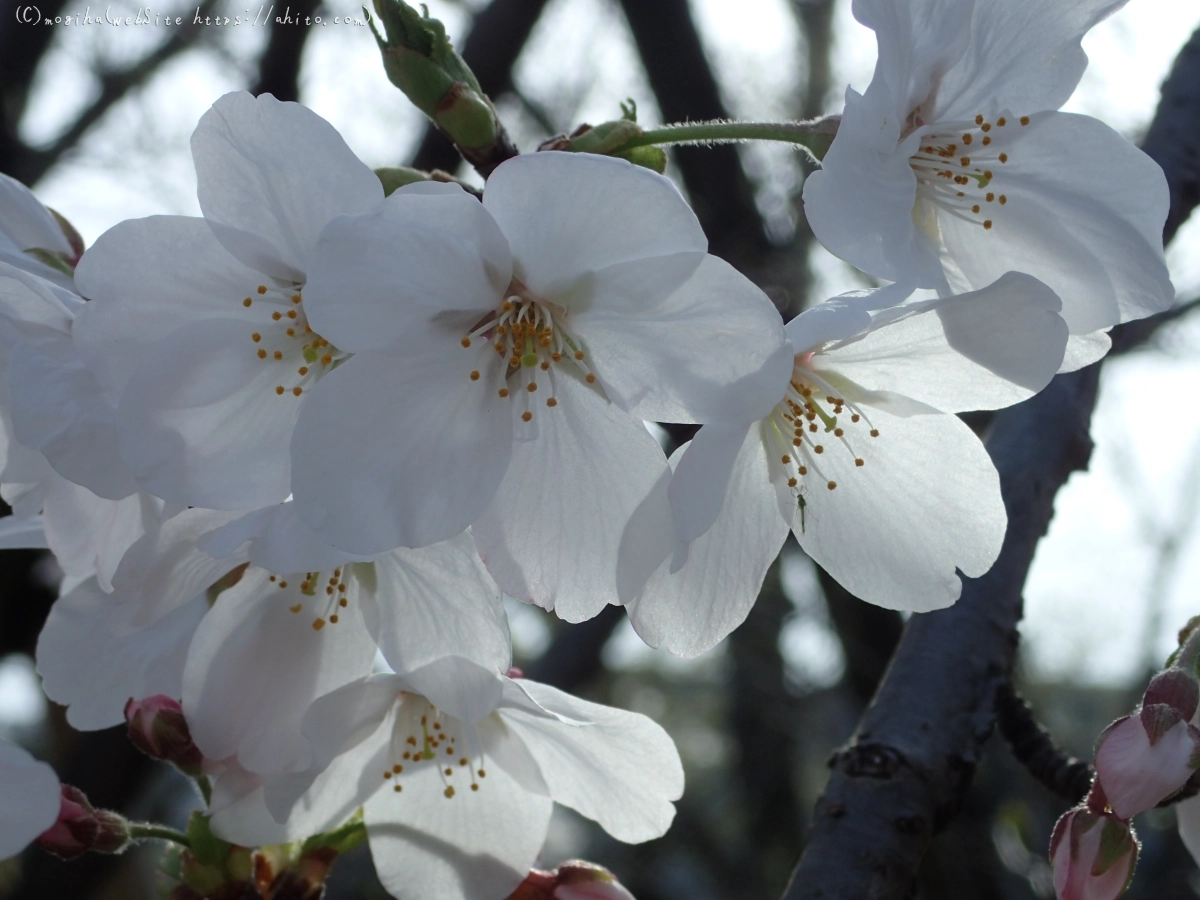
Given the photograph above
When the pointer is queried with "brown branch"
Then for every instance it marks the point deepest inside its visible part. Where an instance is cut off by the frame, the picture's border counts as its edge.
(279, 64)
(1034, 748)
(22, 47)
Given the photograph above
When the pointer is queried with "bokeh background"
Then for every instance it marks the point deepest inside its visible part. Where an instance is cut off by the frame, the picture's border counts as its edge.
(97, 119)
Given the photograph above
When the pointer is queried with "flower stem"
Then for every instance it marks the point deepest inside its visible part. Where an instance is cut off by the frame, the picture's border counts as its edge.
(815, 136)
(142, 831)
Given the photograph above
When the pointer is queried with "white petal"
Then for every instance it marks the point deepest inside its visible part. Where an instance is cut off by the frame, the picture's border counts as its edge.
(403, 450)
(146, 277)
(87, 667)
(458, 686)
(700, 482)
(1085, 349)
(271, 175)
(337, 726)
(833, 320)
(1024, 55)
(925, 503)
(618, 768)
(201, 421)
(690, 609)
(90, 535)
(710, 348)
(30, 799)
(860, 202)
(476, 844)
(375, 277)
(165, 569)
(58, 409)
(279, 541)
(552, 533)
(26, 222)
(255, 666)
(1092, 230)
(983, 350)
(568, 214)
(16, 532)
(438, 601)
(30, 310)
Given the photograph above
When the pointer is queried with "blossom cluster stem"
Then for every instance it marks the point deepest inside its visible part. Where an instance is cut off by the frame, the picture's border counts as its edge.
(814, 136)
(146, 831)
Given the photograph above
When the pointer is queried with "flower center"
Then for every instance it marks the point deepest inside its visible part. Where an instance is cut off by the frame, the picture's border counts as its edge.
(283, 337)
(424, 738)
(956, 165)
(811, 423)
(532, 340)
(328, 594)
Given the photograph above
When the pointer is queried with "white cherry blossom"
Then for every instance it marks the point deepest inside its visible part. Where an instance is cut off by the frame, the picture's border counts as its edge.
(197, 327)
(456, 768)
(954, 166)
(505, 354)
(34, 238)
(861, 459)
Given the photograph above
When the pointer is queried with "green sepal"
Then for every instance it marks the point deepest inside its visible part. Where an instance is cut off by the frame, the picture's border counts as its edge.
(53, 260)
(340, 840)
(652, 157)
(206, 847)
(395, 177)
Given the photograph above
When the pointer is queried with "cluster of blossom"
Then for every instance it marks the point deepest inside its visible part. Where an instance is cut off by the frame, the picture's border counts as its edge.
(290, 454)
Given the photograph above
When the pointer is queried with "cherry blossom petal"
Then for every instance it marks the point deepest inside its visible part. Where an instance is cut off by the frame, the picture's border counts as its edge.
(376, 278)
(690, 607)
(1085, 349)
(406, 450)
(30, 312)
(567, 215)
(709, 348)
(58, 409)
(1024, 55)
(277, 539)
(1099, 250)
(270, 175)
(618, 768)
(475, 844)
(145, 278)
(16, 533)
(458, 686)
(701, 476)
(202, 422)
(925, 503)
(92, 670)
(552, 532)
(837, 318)
(1136, 775)
(255, 666)
(30, 799)
(26, 222)
(983, 350)
(440, 600)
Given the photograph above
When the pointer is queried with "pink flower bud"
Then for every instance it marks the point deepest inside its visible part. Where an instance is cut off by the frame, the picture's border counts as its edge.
(573, 880)
(1145, 758)
(158, 728)
(1093, 855)
(1175, 688)
(81, 828)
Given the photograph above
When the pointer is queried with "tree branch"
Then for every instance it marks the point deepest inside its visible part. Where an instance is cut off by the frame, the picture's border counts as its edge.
(907, 769)
(279, 64)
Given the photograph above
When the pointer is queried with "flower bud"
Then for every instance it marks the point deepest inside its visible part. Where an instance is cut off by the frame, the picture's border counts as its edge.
(158, 728)
(573, 880)
(1093, 855)
(1145, 758)
(419, 59)
(81, 828)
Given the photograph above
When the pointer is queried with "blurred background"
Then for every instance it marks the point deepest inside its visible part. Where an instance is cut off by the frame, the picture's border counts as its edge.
(97, 119)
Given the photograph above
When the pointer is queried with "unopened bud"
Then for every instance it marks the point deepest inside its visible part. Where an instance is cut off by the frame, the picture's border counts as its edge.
(1093, 855)
(81, 828)
(1176, 688)
(158, 728)
(573, 880)
(419, 59)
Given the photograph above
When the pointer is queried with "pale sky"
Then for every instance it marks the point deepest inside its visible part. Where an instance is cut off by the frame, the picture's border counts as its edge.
(1088, 604)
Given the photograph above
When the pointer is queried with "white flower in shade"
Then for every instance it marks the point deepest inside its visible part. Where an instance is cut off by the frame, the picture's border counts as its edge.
(248, 650)
(505, 355)
(955, 166)
(457, 768)
(861, 458)
(30, 798)
(35, 238)
(197, 327)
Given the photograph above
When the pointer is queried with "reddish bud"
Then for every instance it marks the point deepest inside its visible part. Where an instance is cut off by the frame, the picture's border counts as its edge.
(573, 880)
(81, 828)
(1093, 855)
(1175, 688)
(1145, 758)
(158, 728)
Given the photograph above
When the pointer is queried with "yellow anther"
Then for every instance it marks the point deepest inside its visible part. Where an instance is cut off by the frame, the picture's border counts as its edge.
(296, 608)
(295, 298)
(526, 416)
(531, 387)
(262, 288)
(297, 391)
(279, 389)
(1024, 120)
(792, 482)
(278, 354)
(579, 354)
(987, 224)
(466, 342)
(256, 337)
(475, 376)
(831, 485)
(545, 366)
(318, 624)
(590, 378)
(503, 392)
(874, 432)
(262, 354)
(247, 302)
(1003, 157)
(818, 449)
(291, 332)
(277, 315)
(785, 459)
(837, 432)
(333, 619)
(291, 314)
(859, 463)
(550, 401)
(448, 792)
(303, 370)
(803, 470)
